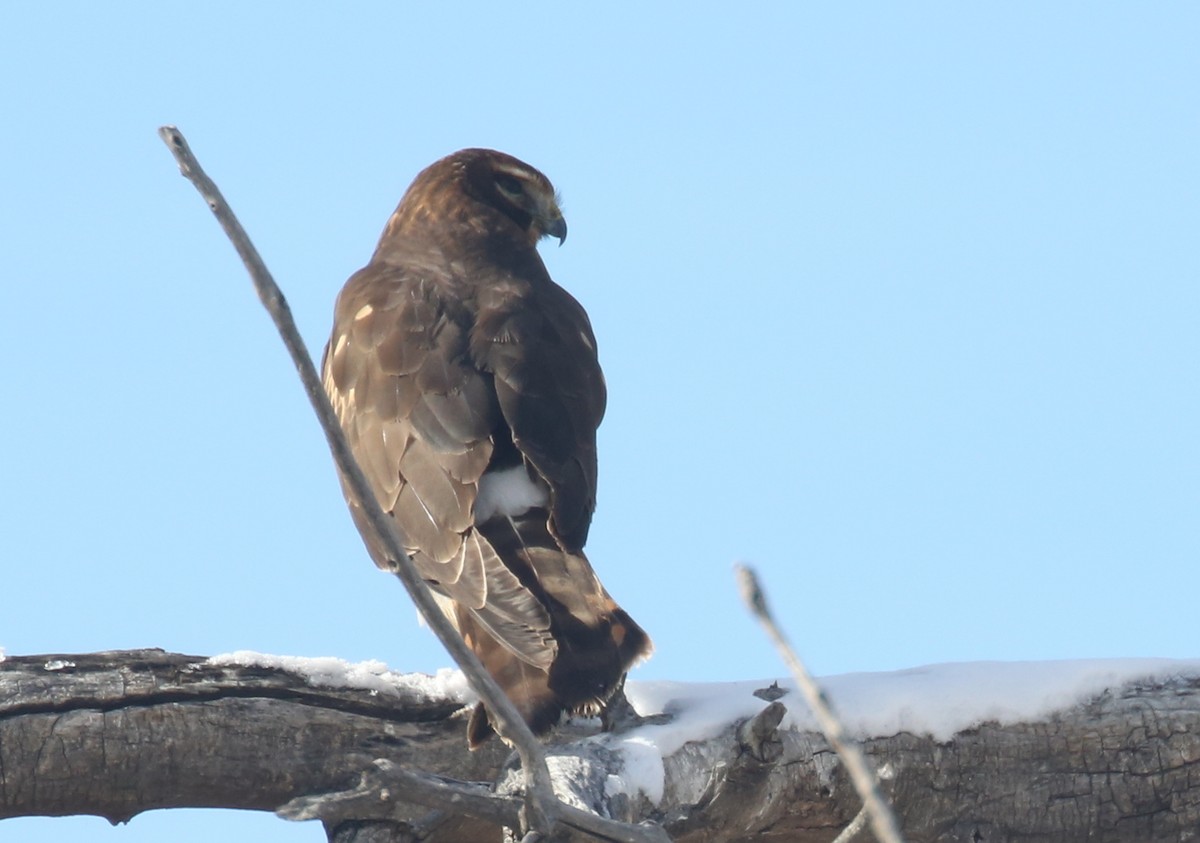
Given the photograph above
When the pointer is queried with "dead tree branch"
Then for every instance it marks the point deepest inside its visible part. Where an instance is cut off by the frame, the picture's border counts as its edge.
(115, 734)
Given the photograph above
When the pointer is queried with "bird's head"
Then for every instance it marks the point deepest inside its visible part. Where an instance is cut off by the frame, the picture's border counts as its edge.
(476, 196)
(515, 189)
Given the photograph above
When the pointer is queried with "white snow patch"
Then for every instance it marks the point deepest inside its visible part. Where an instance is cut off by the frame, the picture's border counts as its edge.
(2, 656)
(330, 672)
(942, 700)
(643, 757)
(937, 700)
(57, 664)
(613, 786)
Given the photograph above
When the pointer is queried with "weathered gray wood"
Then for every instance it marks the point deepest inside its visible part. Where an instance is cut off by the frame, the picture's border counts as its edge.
(119, 733)
(1121, 768)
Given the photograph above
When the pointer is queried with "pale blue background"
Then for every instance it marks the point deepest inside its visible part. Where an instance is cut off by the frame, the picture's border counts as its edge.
(899, 303)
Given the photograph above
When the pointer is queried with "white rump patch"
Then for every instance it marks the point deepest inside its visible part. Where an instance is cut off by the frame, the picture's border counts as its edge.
(510, 492)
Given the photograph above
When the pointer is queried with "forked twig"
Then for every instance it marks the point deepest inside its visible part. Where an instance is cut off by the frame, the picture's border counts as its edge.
(543, 807)
(883, 819)
(417, 787)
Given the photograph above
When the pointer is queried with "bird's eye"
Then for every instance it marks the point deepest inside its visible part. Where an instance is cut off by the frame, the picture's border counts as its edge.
(508, 184)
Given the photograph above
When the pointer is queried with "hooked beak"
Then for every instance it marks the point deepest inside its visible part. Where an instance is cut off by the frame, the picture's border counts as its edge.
(557, 227)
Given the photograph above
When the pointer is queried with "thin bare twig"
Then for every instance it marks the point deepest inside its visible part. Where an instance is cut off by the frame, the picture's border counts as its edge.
(866, 782)
(543, 807)
(854, 829)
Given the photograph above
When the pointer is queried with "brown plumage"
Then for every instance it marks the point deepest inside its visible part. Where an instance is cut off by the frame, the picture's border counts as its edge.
(468, 385)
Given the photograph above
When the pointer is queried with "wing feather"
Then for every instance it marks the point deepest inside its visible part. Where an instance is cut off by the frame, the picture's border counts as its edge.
(552, 395)
(420, 416)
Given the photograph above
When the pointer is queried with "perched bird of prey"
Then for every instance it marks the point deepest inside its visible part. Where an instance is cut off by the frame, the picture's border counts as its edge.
(468, 386)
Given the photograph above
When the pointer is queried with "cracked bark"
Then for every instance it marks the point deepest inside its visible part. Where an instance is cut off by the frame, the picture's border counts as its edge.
(119, 733)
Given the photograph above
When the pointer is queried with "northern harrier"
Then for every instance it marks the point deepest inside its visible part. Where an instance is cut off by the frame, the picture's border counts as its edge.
(468, 385)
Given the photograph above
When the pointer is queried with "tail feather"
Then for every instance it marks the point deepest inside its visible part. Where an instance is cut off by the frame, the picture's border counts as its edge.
(597, 641)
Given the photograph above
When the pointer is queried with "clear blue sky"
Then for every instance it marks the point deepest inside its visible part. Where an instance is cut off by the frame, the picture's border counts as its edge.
(900, 304)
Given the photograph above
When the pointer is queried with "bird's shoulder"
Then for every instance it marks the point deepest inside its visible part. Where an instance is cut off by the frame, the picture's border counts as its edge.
(410, 296)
